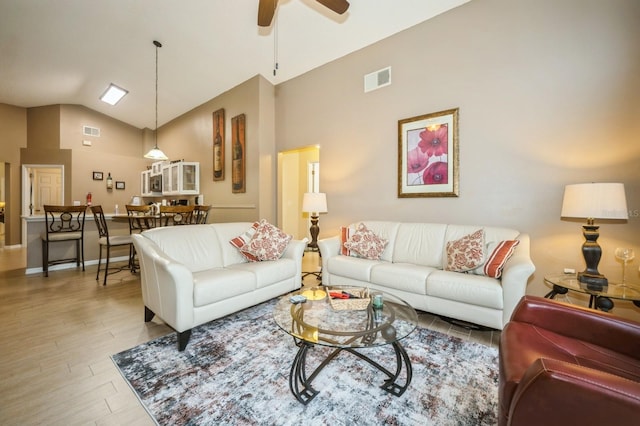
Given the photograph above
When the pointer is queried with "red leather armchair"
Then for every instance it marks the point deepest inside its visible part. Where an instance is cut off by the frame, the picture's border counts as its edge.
(562, 364)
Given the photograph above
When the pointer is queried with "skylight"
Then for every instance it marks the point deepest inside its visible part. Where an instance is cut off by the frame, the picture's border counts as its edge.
(113, 94)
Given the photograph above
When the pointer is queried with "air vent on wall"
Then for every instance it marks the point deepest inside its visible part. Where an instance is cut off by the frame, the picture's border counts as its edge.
(90, 131)
(377, 79)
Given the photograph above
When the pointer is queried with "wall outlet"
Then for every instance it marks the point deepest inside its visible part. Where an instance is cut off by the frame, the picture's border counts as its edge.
(86, 143)
(569, 271)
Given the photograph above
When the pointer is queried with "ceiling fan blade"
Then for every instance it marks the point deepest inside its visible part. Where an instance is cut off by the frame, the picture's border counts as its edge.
(338, 6)
(266, 10)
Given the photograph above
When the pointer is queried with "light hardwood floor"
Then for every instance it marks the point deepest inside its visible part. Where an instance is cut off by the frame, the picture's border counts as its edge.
(58, 333)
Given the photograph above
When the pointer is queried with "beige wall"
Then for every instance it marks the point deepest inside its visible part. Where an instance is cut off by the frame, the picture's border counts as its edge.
(118, 151)
(190, 137)
(13, 137)
(547, 93)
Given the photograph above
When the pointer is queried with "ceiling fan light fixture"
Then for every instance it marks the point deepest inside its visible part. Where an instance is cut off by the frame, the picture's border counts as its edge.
(267, 9)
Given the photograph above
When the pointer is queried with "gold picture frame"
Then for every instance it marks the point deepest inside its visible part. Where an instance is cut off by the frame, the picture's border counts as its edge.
(428, 155)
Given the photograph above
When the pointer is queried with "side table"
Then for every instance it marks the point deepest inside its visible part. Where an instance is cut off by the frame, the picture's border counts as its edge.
(599, 298)
(317, 274)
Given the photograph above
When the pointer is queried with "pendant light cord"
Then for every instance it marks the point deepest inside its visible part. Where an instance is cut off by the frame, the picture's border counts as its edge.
(155, 132)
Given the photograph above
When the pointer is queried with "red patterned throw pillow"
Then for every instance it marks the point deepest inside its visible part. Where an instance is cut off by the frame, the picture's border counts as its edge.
(497, 259)
(366, 243)
(268, 243)
(467, 253)
(242, 240)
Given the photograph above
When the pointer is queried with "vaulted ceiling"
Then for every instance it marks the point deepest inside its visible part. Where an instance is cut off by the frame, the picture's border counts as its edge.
(68, 51)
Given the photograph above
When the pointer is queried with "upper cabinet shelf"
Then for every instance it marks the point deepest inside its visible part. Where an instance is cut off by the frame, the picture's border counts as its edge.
(180, 178)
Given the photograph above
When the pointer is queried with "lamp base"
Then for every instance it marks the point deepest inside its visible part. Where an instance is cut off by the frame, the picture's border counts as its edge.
(593, 282)
(314, 230)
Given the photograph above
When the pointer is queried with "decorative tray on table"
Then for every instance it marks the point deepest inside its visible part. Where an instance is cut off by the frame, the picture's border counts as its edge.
(349, 298)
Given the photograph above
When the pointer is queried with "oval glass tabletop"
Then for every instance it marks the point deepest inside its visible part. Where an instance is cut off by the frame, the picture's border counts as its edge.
(613, 290)
(348, 320)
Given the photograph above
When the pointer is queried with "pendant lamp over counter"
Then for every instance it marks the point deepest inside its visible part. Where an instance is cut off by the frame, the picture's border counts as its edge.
(156, 153)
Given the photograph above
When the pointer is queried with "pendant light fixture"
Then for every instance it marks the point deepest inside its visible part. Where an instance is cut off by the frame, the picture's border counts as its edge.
(155, 153)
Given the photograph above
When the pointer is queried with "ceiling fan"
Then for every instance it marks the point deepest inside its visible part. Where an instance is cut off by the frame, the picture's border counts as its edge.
(267, 8)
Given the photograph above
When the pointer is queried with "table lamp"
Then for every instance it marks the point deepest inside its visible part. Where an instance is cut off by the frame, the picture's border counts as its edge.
(593, 201)
(314, 203)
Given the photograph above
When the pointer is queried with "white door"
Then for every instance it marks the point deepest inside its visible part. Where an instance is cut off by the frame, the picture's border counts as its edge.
(48, 189)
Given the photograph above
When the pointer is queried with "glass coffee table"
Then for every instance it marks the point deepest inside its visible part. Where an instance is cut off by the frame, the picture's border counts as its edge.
(599, 297)
(346, 325)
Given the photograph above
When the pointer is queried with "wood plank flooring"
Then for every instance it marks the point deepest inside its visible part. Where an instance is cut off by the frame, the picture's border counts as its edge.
(58, 333)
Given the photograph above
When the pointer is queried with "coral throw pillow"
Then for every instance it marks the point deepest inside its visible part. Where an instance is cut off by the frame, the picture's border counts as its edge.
(346, 232)
(268, 243)
(497, 259)
(366, 243)
(467, 253)
(242, 240)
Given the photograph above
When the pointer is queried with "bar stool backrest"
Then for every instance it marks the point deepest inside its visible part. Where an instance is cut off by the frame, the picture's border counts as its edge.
(101, 222)
(139, 218)
(175, 215)
(200, 214)
(64, 222)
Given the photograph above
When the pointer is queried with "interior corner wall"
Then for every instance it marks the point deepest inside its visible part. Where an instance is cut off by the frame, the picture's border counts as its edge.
(546, 97)
(117, 151)
(13, 137)
(190, 137)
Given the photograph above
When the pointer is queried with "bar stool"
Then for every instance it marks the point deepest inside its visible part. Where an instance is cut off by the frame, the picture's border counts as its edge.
(140, 218)
(63, 223)
(175, 215)
(105, 240)
(200, 214)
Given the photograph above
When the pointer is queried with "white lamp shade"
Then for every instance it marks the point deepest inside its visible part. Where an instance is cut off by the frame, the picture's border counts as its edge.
(156, 154)
(314, 202)
(595, 201)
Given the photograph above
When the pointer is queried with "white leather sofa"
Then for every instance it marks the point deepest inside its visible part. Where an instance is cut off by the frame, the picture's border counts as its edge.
(412, 268)
(191, 274)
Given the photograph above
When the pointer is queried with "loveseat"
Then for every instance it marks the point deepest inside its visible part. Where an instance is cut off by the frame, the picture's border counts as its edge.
(563, 364)
(413, 267)
(192, 274)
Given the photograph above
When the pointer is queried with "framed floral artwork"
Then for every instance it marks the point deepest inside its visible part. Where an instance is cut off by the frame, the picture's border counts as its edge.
(428, 155)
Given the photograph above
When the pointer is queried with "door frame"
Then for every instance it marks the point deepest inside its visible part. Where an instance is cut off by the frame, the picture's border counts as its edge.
(27, 189)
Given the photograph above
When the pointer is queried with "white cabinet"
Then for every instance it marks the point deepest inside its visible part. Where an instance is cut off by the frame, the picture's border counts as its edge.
(150, 184)
(181, 178)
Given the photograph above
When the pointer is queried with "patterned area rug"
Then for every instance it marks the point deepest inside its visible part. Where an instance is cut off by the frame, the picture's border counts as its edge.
(235, 371)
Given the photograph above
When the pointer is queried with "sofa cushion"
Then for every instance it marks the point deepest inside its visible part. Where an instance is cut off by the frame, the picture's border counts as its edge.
(225, 232)
(420, 244)
(241, 242)
(498, 257)
(466, 253)
(366, 243)
(268, 243)
(351, 267)
(268, 272)
(346, 232)
(216, 284)
(466, 288)
(402, 276)
(195, 246)
(385, 230)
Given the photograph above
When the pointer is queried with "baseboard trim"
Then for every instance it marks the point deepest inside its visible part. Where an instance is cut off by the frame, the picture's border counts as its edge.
(37, 270)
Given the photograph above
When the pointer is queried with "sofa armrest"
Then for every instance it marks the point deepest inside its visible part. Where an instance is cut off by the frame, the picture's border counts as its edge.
(565, 393)
(600, 328)
(167, 286)
(295, 251)
(328, 247)
(515, 276)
